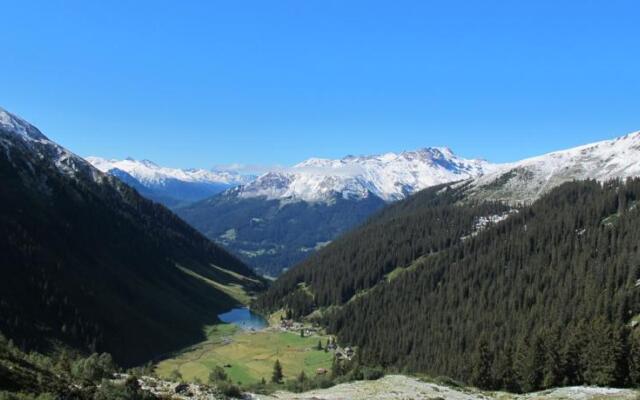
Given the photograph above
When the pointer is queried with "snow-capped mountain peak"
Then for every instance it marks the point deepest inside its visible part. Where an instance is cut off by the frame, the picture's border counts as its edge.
(390, 176)
(12, 123)
(15, 131)
(173, 187)
(149, 173)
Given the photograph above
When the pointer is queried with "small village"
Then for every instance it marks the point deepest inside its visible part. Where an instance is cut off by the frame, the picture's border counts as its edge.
(307, 330)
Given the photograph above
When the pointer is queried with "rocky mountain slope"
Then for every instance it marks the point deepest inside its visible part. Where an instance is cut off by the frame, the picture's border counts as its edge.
(90, 264)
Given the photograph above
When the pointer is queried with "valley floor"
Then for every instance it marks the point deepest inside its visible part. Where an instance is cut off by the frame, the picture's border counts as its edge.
(248, 356)
(399, 387)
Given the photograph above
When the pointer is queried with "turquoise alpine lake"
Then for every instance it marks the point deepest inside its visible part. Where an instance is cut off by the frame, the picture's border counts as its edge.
(244, 318)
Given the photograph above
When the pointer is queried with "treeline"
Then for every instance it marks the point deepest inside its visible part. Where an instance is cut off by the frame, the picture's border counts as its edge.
(426, 223)
(544, 298)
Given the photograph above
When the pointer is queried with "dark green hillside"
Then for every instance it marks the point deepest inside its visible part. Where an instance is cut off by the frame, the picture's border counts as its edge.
(425, 223)
(572, 258)
(547, 297)
(271, 236)
(89, 263)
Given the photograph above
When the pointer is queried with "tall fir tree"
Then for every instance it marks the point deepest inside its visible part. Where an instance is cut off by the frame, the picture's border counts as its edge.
(481, 375)
(277, 375)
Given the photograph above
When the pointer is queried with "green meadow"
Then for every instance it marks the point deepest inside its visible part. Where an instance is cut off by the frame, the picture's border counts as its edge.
(247, 357)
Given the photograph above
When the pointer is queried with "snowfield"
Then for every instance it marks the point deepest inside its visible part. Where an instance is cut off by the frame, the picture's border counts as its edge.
(390, 176)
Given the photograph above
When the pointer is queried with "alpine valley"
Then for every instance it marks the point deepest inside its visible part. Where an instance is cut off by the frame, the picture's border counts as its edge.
(456, 278)
(283, 216)
(320, 200)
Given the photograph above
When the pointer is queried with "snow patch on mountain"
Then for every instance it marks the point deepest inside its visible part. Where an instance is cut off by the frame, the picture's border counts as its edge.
(390, 176)
(526, 180)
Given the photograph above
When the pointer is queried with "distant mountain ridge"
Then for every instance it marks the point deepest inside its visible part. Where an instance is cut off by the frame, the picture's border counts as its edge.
(389, 176)
(170, 186)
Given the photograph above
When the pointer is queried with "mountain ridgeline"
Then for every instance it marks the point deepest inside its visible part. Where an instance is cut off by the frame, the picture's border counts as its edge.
(282, 217)
(545, 295)
(91, 265)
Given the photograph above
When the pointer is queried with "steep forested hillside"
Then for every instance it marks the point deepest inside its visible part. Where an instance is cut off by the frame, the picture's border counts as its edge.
(547, 297)
(425, 223)
(89, 263)
(271, 235)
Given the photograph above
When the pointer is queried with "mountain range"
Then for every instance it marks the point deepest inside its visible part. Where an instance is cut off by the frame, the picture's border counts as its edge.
(283, 216)
(518, 277)
(90, 265)
(172, 187)
(389, 176)
(267, 221)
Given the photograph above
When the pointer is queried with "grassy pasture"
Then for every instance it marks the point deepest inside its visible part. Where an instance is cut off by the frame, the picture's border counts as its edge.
(251, 355)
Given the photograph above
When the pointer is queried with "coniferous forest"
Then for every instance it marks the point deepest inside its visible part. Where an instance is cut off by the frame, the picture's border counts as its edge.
(547, 297)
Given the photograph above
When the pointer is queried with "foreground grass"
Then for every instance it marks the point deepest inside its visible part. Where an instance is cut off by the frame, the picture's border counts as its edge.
(250, 355)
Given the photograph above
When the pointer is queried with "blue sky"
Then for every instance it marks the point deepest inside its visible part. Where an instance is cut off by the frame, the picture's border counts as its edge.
(199, 83)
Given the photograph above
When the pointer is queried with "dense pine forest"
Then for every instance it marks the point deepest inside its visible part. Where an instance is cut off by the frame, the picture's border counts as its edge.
(425, 223)
(547, 297)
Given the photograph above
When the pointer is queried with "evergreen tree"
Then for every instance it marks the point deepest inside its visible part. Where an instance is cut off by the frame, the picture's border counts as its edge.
(482, 366)
(572, 359)
(277, 375)
(530, 364)
(553, 374)
(634, 359)
(505, 376)
(603, 353)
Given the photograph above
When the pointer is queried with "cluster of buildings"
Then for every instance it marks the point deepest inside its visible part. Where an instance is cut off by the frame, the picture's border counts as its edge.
(294, 326)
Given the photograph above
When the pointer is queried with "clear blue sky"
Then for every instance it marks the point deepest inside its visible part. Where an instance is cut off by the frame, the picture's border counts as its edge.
(198, 83)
